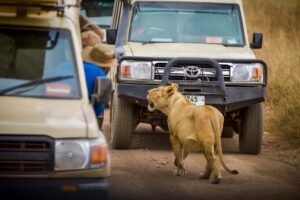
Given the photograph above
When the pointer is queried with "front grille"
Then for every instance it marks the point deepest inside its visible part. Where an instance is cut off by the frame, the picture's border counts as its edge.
(26, 154)
(179, 72)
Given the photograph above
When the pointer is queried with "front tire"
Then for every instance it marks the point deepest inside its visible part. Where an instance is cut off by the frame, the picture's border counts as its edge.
(250, 138)
(122, 123)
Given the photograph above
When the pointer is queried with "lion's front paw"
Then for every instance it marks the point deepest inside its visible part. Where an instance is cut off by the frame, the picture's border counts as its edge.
(179, 172)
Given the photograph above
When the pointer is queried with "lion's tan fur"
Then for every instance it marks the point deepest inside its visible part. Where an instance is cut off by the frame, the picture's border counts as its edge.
(190, 125)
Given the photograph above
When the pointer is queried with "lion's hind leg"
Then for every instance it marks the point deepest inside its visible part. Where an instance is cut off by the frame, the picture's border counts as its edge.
(206, 174)
(212, 165)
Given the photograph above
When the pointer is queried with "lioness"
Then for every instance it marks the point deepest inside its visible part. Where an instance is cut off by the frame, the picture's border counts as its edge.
(190, 125)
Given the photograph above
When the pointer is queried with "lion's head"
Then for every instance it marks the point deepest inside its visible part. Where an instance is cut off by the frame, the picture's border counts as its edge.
(158, 97)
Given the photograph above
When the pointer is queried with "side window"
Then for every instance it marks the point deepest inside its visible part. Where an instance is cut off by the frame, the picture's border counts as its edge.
(98, 11)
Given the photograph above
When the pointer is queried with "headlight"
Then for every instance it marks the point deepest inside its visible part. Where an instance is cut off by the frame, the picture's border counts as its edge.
(80, 154)
(247, 73)
(136, 70)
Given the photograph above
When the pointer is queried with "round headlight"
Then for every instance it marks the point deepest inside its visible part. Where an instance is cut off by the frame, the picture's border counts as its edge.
(142, 71)
(240, 73)
(71, 155)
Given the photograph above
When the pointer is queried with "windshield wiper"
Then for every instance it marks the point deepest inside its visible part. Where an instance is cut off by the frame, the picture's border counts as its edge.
(148, 42)
(34, 82)
(155, 41)
(232, 45)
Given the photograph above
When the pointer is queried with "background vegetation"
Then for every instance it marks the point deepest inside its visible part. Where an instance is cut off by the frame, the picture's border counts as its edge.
(279, 21)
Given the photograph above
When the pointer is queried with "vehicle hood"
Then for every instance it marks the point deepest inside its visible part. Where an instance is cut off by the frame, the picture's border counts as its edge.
(51, 117)
(188, 50)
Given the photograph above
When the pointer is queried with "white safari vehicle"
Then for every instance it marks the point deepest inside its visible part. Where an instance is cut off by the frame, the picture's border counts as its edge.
(200, 44)
(50, 142)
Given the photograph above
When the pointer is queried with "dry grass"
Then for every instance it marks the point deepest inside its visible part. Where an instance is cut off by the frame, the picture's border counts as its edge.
(280, 22)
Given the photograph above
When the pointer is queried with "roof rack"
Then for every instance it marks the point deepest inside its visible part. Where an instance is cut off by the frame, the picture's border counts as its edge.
(44, 5)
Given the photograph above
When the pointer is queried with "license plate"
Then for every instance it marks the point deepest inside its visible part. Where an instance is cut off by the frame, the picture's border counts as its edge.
(196, 100)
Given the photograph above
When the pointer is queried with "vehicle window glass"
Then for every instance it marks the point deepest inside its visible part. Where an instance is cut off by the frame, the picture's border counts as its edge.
(186, 22)
(98, 11)
(34, 55)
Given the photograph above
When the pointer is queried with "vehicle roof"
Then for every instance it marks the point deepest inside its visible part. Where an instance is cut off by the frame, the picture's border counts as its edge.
(194, 1)
(40, 8)
(37, 17)
(35, 2)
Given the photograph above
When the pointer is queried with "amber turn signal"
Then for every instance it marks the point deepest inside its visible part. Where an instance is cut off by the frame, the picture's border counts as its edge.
(256, 73)
(125, 70)
(98, 154)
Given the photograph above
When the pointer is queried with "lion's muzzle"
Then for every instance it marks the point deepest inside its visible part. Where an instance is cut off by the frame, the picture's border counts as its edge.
(151, 106)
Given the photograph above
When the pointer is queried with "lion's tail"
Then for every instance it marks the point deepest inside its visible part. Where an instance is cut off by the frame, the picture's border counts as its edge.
(218, 131)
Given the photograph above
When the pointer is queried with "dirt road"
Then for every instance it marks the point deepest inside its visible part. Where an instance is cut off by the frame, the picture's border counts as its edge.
(146, 172)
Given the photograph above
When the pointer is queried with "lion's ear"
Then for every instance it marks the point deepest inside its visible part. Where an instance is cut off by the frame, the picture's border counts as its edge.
(169, 90)
(175, 86)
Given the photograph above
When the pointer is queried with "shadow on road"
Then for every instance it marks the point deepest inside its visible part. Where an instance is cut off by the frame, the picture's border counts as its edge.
(144, 137)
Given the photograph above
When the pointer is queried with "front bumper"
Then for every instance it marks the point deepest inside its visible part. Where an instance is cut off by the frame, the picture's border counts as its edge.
(53, 188)
(226, 98)
(236, 97)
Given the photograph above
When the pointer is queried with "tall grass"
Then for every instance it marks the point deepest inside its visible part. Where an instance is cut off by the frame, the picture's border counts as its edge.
(279, 21)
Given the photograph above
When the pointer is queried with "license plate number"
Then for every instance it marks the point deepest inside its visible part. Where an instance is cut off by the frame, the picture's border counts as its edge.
(196, 100)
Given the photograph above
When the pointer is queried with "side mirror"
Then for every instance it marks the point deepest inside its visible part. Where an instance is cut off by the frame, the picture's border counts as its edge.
(102, 90)
(257, 40)
(111, 35)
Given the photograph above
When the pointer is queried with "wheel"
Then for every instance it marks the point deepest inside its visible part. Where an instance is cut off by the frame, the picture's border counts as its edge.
(227, 132)
(122, 123)
(250, 138)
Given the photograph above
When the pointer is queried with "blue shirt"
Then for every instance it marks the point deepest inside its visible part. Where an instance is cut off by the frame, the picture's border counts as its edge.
(91, 72)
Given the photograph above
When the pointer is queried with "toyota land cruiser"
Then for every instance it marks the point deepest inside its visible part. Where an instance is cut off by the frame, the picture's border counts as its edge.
(200, 44)
(50, 142)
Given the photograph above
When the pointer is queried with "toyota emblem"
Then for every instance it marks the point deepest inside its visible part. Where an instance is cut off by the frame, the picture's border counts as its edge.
(192, 71)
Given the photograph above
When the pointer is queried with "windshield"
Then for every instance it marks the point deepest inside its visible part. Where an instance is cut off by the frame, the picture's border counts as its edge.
(186, 22)
(37, 63)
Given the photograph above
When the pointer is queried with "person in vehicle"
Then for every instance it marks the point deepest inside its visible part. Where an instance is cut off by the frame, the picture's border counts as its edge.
(86, 25)
(97, 58)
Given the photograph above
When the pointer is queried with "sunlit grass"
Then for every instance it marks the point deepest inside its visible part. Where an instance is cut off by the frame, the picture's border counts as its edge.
(280, 23)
